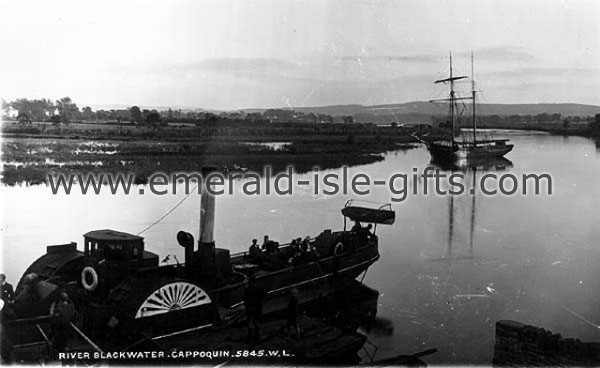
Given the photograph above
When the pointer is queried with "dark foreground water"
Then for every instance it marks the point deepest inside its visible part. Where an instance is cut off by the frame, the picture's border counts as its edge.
(529, 258)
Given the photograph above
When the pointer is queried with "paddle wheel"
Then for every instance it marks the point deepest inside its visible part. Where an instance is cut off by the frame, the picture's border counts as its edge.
(172, 297)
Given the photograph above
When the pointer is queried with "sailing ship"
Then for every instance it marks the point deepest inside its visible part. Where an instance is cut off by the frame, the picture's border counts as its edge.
(471, 146)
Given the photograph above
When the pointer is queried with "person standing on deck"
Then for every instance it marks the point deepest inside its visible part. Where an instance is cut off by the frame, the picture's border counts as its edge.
(305, 244)
(7, 293)
(254, 248)
(369, 232)
(64, 312)
(253, 297)
(265, 245)
(292, 312)
(6, 345)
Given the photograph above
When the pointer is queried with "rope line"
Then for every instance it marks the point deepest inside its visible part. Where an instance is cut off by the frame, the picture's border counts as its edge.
(168, 212)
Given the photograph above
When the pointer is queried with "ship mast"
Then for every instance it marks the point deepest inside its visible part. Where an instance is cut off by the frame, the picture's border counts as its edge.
(450, 225)
(474, 183)
(451, 100)
(453, 97)
(473, 96)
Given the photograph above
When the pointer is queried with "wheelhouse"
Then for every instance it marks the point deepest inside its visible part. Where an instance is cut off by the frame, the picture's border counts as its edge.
(115, 246)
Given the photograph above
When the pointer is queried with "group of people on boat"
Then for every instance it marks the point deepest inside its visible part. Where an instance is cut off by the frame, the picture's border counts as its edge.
(300, 251)
(364, 233)
(268, 246)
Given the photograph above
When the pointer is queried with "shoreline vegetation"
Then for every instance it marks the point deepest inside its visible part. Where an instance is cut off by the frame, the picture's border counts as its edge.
(29, 157)
(46, 138)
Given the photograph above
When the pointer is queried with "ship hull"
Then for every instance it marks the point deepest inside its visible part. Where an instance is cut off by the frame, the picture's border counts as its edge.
(483, 152)
(441, 152)
(313, 280)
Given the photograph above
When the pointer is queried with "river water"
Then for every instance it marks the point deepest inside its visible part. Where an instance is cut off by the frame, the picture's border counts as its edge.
(449, 268)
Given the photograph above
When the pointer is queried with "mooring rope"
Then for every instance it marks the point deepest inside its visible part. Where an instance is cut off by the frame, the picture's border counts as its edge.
(168, 212)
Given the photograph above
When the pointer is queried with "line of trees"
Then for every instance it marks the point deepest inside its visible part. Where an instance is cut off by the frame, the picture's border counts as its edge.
(66, 111)
(500, 119)
(63, 110)
(539, 118)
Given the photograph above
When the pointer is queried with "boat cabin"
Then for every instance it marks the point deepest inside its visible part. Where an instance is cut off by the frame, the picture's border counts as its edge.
(114, 254)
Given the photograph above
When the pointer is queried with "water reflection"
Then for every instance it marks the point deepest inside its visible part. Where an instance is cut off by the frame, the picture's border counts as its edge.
(353, 308)
(597, 144)
(488, 164)
(470, 169)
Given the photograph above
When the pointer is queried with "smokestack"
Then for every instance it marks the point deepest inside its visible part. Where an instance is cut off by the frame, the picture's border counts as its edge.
(215, 264)
(207, 213)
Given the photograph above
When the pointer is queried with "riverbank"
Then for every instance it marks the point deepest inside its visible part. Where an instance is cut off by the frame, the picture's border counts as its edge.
(581, 129)
(30, 157)
(33, 152)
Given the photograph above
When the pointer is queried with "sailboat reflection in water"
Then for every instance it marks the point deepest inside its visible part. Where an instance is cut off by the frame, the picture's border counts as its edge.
(468, 168)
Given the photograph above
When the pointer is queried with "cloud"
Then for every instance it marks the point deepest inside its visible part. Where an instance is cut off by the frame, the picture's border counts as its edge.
(541, 84)
(237, 64)
(417, 58)
(242, 82)
(238, 67)
(547, 73)
(500, 53)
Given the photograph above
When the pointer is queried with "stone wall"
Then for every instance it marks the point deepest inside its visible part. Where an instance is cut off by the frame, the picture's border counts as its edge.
(523, 345)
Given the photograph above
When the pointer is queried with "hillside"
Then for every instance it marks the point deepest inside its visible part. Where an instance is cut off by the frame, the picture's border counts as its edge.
(427, 108)
(417, 111)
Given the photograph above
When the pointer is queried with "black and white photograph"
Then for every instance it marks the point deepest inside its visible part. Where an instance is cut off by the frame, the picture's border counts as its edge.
(300, 183)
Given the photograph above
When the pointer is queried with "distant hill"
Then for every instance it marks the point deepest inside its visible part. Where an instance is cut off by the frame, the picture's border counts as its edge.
(409, 112)
(428, 108)
(421, 111)
(109, 107)
(565, 109)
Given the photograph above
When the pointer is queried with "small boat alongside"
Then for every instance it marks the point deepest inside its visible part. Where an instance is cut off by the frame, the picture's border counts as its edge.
(380, 215)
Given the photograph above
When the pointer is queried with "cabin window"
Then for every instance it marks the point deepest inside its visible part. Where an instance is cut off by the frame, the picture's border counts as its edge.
(96, 249)
(114, 252)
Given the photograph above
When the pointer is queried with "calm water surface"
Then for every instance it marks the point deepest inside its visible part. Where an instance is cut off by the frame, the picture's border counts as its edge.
(526, 258)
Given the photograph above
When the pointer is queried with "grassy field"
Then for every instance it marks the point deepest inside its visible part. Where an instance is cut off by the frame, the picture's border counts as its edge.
(32, 152)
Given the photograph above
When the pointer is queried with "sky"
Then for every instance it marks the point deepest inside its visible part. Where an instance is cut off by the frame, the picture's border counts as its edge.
(239, 54)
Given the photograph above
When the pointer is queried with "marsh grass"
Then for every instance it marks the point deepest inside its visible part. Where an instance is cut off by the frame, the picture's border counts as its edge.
(30, 160)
